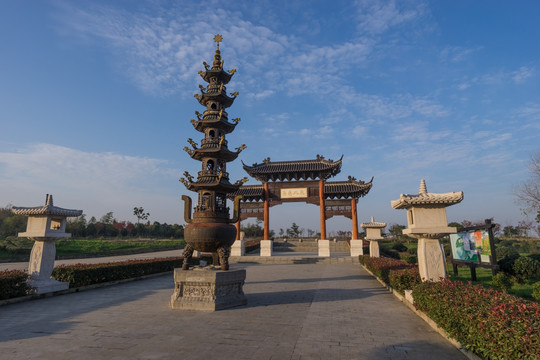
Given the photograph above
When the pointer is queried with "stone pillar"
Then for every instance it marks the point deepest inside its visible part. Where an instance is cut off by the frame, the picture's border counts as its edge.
(323, 209)
(41, 266)
(354, 216)
(266, 244)
(431, 259)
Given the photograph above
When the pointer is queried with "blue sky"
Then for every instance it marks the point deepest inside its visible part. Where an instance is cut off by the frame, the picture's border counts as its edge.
(96, 98)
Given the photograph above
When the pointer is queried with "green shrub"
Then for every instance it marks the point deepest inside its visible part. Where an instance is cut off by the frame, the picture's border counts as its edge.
(13, 284)
(490, 323)
(413, 251)
(17, 245)
(399, 247)
(536, 291)
(390, 253)
(88, 274)
(411, 259)
(507, 251)
(404, 279)
(503, 281)
(526, 268)
(506, 264)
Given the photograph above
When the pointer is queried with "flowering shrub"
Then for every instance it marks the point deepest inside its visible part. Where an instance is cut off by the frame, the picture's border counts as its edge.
(396, 273)
(88, 274)
(12, 284)
(490, 323)
(404, 279)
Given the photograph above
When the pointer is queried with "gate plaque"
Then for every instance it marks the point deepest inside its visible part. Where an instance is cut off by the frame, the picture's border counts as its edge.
(294, 193)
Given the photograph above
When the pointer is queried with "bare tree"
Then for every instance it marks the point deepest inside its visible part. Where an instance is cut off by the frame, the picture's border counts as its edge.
(528, 192)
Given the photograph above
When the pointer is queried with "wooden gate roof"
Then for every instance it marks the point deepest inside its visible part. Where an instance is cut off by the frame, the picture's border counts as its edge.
(319, 168)
(350, 189)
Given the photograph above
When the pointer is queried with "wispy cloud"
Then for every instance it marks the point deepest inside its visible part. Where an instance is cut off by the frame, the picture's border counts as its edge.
(376, 17)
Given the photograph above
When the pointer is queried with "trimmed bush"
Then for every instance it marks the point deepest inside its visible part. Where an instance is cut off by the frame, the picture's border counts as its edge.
(404, 279)
(400, 247)
(13, 284)
(526, 268)
(88, 274)
(503, 281)
(490, 323)
(411, 259)
(389, 252)
(536, 291)
(507, 251)
(506, 264)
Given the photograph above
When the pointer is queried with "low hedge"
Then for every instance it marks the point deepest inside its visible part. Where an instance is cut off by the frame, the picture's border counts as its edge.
(87, 274)
(383, 267)
(490, 323)
(13, 284)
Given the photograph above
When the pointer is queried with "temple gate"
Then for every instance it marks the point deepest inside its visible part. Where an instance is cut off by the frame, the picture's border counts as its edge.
(300, 181)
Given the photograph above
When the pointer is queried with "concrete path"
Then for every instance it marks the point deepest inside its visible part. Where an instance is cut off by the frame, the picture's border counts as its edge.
(306, 311)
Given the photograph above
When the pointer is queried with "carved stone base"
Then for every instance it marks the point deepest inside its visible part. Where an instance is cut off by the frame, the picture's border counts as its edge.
(208, 289)
(324, 248)
(357, 247)
(46, 286)
(267, 247)
(374, 248)
(431, 261)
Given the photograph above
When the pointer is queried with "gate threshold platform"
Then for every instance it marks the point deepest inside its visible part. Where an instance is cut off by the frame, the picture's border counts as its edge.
(280, 257)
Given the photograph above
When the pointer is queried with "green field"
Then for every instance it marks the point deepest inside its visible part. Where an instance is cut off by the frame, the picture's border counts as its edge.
(20, 249)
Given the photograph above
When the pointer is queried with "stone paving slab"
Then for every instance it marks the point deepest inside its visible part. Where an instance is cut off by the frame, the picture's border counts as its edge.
(303, 311)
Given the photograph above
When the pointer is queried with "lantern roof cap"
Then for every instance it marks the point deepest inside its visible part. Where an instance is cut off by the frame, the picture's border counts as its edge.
(425, 198)
(47, 209)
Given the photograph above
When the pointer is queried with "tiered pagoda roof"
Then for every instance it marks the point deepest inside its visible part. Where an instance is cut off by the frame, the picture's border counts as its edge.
(320, 168)
(373, 224)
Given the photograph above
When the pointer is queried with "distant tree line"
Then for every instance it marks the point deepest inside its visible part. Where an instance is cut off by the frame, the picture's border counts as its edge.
(106, 226)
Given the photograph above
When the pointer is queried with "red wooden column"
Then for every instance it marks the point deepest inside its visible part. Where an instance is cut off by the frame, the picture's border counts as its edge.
(237, 229)
(323, 209)
(354, 220)
(266, 213)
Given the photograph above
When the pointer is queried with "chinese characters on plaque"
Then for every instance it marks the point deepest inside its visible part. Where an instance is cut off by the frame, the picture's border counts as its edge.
(294, 193)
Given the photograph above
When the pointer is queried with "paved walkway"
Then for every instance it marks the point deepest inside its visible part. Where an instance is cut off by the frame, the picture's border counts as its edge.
(301, 311)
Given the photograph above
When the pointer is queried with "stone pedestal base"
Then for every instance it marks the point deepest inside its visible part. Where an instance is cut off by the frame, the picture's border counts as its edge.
(238, 248)
(46, 286)
(42, 258)
(267, 248)
(374, 248)
(431, 261)
(357, 247)
(208, 289)
(324, 248)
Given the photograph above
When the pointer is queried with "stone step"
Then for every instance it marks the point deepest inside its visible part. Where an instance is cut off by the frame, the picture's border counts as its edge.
(293, 260)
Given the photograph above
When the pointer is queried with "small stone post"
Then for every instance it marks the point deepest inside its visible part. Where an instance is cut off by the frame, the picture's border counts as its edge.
(426, 218)
(373, 235)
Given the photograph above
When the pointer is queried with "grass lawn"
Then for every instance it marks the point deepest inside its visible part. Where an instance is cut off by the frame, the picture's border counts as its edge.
(484, 276)
(86, 247)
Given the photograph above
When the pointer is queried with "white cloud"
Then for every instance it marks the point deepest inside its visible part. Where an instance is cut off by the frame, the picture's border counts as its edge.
(376, 17)
(522, 74)
(94, 182)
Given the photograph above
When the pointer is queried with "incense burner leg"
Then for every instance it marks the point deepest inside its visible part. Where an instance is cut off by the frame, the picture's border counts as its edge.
(188, 253)
(224, 252)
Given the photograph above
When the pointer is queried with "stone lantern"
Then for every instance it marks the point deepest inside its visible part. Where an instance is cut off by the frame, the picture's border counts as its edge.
(373, 234)
(426, 220)
(45, 224)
